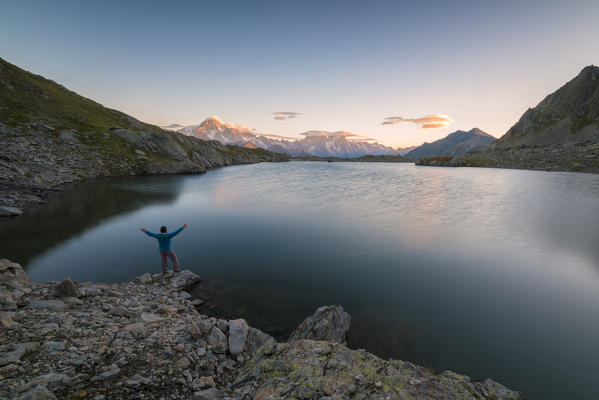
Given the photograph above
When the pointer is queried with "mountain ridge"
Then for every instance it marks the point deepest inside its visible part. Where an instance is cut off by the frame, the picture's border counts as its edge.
(314, 142)
(456, 144)
(50, 135)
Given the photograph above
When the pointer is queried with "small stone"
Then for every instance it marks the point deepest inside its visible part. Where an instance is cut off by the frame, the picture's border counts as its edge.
(208, 394)
(144, 279)
(53, 305)
(66, 288)
(54, 347)
(208, 381)
(379, 384)
(6, 319)
(183, 363)
(149, 318)
(197, 302)
(106, 375)
(38, 393)
(195, 332)
(184, 295)
(217, 340)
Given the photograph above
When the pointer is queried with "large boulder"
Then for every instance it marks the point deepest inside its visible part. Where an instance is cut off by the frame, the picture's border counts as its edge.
(256, 339)
(181, 280)
(217, 340)
(329, 323)
(238, 334)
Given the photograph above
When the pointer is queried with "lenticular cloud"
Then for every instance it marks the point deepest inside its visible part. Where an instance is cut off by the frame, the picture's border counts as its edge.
(427, 122)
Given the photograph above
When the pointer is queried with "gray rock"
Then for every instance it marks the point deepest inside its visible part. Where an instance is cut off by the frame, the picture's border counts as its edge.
(6, 320)
(217, 340)
(54, 347)
(66, 288)
(38, 393)
(144, 279)
(256, 339)
(107, 375)
(238, 333)
(184, 295)
(149, 318)
(53, 305)
(19, 349)
(329, 323)
(183, 279)
(208, 394)
(6, 211)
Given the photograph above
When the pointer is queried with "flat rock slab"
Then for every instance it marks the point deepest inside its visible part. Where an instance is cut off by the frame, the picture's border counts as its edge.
(54, 305)
(149, 318)
(6, 211)
(19, 349)
(181, 280)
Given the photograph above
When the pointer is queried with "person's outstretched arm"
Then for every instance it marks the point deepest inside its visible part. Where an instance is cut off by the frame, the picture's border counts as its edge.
(175, 233)
(147, 232)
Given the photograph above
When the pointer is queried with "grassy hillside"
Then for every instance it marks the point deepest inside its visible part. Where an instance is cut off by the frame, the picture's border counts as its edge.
(50, 135)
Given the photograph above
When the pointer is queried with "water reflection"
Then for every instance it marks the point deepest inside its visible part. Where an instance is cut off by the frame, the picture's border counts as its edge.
(80, 207)
(492, 273)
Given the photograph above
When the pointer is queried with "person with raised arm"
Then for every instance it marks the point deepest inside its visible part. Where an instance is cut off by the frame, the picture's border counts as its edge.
(164, 245)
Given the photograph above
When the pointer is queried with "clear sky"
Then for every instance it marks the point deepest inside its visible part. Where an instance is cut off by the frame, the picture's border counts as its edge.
(343, 65)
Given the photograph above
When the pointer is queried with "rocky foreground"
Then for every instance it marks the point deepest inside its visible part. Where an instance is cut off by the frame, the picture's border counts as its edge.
(146, 339)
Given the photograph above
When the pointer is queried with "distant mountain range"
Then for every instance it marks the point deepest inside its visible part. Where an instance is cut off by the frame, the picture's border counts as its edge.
(318, 143)
(456, 144)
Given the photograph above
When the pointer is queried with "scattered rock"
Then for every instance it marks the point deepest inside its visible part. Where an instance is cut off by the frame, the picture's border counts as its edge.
(144, 279)
(66, 288)
(107, 375)
(6, 320)
(217, 340)
(208, 394)
(53, 305)
(329, 323)
(38, 393)
(149, 318)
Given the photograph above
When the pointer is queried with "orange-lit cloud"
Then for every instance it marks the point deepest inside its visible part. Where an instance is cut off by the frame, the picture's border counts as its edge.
(285, 115)
(427, 122)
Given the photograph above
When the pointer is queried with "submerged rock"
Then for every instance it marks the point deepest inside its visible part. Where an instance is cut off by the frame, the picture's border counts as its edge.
(327, 323)
(6, 211)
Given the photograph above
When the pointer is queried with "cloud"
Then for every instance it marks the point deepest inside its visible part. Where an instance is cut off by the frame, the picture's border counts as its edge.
(285, 115)
(427, 122)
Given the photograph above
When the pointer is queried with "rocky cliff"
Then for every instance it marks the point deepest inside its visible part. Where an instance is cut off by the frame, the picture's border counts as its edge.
(50, 135)
(456, 144)
(560, 133)
(147, 339)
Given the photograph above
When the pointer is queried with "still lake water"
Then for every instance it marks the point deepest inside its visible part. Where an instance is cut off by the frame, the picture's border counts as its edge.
(487, 272)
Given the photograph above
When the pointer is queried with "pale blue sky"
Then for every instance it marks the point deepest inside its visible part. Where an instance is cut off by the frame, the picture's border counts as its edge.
(345, 65)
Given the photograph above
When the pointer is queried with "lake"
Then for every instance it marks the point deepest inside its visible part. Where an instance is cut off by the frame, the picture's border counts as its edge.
(487, 272)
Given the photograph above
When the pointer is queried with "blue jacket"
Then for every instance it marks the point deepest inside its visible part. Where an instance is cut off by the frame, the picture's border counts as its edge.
(164, 239)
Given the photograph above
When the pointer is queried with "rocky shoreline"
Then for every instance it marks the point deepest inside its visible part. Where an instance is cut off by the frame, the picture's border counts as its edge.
(147, 339)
